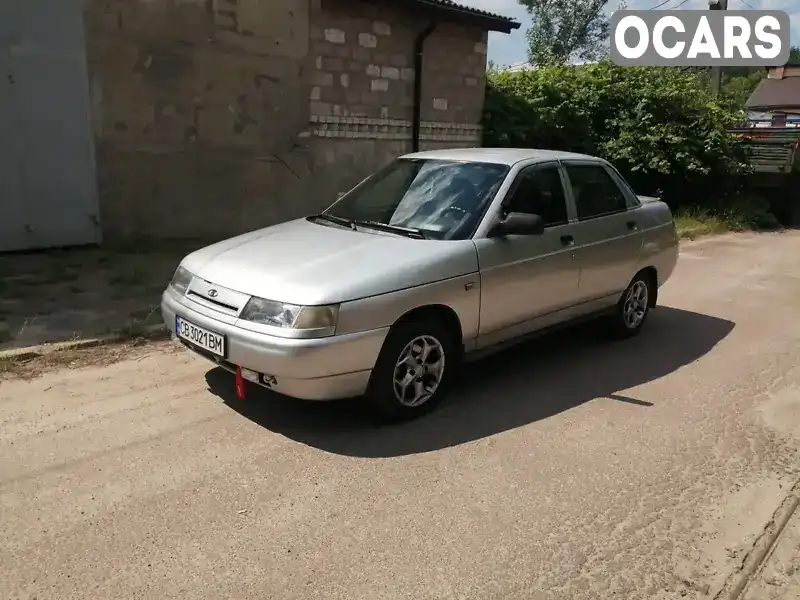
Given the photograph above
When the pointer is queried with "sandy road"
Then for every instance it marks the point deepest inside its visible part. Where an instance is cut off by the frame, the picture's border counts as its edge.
(570, 468)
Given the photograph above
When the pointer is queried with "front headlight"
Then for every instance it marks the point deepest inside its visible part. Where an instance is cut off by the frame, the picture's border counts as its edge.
(290, 316)
(181, 280)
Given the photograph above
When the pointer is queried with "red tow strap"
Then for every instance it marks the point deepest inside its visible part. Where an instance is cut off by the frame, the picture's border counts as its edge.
(240, 392)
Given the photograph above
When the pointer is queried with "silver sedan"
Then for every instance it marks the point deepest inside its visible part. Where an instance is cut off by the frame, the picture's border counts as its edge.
(440, 256)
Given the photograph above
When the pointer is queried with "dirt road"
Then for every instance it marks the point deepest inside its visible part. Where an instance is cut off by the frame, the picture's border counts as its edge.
(570, 468)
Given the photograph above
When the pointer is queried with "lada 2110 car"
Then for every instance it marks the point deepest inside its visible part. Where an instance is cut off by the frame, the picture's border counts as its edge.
(440, 255)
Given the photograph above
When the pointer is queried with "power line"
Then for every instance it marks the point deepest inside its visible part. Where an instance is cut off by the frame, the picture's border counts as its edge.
(660, 5)
(667, 2)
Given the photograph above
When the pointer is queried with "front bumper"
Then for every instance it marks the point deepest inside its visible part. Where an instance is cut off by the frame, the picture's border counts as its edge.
(328, 368)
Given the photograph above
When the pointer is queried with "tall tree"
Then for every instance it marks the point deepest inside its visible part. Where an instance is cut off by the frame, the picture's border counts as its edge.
(566, 30)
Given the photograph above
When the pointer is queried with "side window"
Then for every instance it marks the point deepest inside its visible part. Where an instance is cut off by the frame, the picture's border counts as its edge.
(596, 193)
(631, 199)
(539, 191)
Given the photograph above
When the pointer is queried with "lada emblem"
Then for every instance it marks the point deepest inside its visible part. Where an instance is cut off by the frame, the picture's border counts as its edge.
(213, 293)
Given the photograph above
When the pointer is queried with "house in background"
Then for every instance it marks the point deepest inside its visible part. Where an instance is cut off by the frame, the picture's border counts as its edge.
(771, 139)
(519, 67)
(776, 100)
(207, 118)
(527, 66)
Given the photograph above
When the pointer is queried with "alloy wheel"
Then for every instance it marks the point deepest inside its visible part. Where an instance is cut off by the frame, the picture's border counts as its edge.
(635, 307)
(419, 370)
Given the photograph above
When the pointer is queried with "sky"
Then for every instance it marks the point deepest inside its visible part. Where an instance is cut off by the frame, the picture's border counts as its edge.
(508, 49)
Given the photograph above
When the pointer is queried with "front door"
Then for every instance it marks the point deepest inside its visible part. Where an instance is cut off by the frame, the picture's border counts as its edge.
(608, 237)
(526, 277)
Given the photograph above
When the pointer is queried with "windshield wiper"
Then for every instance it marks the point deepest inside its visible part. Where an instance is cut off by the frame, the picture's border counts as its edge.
(412, 233)
(353, 224)
(337, 220)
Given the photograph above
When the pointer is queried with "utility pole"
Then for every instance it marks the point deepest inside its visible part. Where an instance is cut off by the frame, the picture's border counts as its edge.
(716, 72)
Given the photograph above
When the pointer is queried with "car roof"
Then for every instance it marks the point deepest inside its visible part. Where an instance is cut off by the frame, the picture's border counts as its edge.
(501, 156)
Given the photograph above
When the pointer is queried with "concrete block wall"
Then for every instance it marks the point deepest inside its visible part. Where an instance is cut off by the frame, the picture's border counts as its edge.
(363, 68)
(361, 65)
(454, 75)
(214, 117)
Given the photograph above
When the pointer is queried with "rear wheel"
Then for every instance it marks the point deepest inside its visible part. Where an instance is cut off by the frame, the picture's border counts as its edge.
(633, 307)
(413, 370)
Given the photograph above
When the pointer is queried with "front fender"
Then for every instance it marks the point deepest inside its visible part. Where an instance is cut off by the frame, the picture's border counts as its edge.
(460, 294)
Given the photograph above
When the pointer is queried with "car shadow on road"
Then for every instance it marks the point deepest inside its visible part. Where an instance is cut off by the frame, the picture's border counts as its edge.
(521, 385)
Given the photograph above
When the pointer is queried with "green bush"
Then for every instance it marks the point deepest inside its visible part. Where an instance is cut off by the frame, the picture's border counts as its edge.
(659, 126)
(750, 211)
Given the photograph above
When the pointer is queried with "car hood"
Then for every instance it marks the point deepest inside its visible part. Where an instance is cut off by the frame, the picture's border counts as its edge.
(300, 262)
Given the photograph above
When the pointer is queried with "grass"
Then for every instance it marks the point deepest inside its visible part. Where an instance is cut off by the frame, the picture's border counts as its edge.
(140, 321)
(12, 367)
(127, 345)
(149, 315)
(744, 212)
(694, 224)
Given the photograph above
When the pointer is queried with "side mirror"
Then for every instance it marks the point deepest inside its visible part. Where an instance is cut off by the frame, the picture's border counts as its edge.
(517, 223)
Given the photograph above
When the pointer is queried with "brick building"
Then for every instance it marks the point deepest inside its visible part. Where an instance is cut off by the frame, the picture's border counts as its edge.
(213, 117)
(205, 118)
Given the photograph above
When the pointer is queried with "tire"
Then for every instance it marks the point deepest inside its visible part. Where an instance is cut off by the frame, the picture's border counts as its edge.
(384, 393)
(633, 307)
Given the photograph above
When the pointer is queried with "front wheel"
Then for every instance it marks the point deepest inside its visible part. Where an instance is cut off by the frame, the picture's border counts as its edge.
(633, 307)
(413, 370)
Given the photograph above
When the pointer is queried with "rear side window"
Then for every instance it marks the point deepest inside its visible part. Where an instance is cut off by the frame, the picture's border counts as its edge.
(596, 193)
(539, 191)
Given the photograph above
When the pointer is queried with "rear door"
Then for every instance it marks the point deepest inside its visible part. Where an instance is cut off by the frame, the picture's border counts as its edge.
(608, 237)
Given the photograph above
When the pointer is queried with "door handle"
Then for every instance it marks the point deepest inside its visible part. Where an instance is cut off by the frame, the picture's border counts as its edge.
(567, 240)
(632, 225)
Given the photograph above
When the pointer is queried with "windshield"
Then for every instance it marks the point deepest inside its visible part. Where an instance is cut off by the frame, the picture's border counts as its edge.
(441, 199)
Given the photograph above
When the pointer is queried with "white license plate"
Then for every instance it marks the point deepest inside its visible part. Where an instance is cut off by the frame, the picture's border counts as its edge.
(200, 337)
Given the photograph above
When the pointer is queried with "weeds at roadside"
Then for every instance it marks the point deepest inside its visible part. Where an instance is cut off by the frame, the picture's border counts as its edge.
(12, 367)
(90, 290)
(149, 315)
(747, 213)
(29, 367)
(694, 224)
(140, 321)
